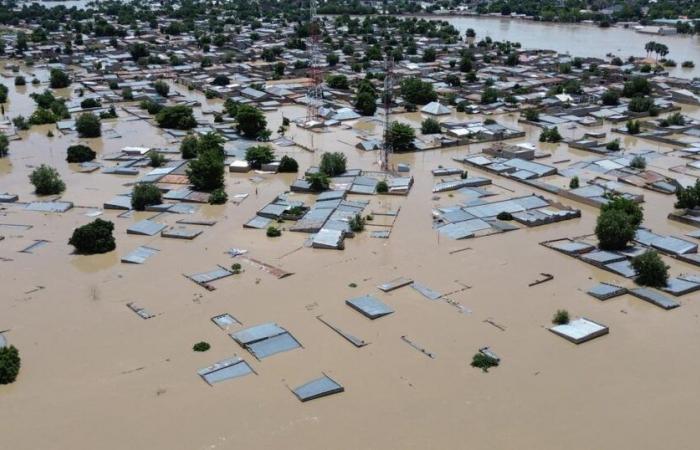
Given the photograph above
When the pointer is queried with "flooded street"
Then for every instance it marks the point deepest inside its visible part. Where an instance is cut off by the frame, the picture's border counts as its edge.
(95, 375)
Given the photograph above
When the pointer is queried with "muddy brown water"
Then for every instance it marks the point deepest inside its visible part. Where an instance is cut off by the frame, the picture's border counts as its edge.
(95, 375)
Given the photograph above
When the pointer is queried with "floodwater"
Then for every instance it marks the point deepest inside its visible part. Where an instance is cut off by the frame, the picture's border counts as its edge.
(582, 39)
(95, 375)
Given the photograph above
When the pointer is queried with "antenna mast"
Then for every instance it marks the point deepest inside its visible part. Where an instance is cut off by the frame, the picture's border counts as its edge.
(315, 92)
(388, 91)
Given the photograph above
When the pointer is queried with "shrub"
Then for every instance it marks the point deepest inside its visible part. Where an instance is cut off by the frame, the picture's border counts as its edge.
(145, 195)
(20, 81)
(651, 270)
(430, 126)
(613, 146)
(532, 115)
(382, 187)
(188, 147)
(178, 117)
(236, 268)
(688, 197)
(95, 237)
(273, 231)
(641, 104)
(218, 197)
(688, 64)
(201, 346)
(151, 106)
(319, 181)
(483, 362)
(221, 80)
(46, 180)
(162, 88)
(206, 172)
(259, 155)
(79, 153)
(10, 363)
(638, 162)
(58, 79)
(20, 123)
(4, 145)
(333, 164)
(490, 95)
(288, 164)
(42, 116)
(111, 113)
(90, 103)
(357, 223)
(88, 125)
(550, 135)
(633, 127)
(676, 119)
(155, 159)
(574, 183)
(611, 97)
(337, 82)
(561, 317)
(127, 94)
(504, 215)
(614, 230)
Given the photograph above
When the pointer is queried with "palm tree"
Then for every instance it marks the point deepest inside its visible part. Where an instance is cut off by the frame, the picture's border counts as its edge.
(649, 47)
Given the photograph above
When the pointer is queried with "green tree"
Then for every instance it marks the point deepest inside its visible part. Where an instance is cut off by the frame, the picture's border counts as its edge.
(59, 79)
(179, 117)
(288, 164)
(206, 172)
(46, 181)
(416, 91)
(634, 212)
(318, 181)
(337, 82)
(614, 230)
(145, 195)
(88, 125)
(259, 155)
(401, 136)
(188, 146)
(93, 238)
(611, 97)
(333, 164)
(251, 121)
(490, 95)
(366, 103)
(162, 88)
(4, 145)
(10, 363)
(430, 126)
(79, 153)
(651, 270)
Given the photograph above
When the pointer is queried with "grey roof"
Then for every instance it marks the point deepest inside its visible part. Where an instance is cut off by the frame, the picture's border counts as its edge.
(271, 346)
(225, 321)
(212, 275)
(394, 284)
(623, 268)
(679, 286)
(258, 333)
(258, 222)
(181, 233)
(602, 257)
(654, 297)
(118, 202)
(225, 370)
(3, 341)
(139, 255)
(52, 207)
(580, 330)
(426, 291)
(604, 291)
(320, 387)
(571, 247)
(369, 306)
(145, 227)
